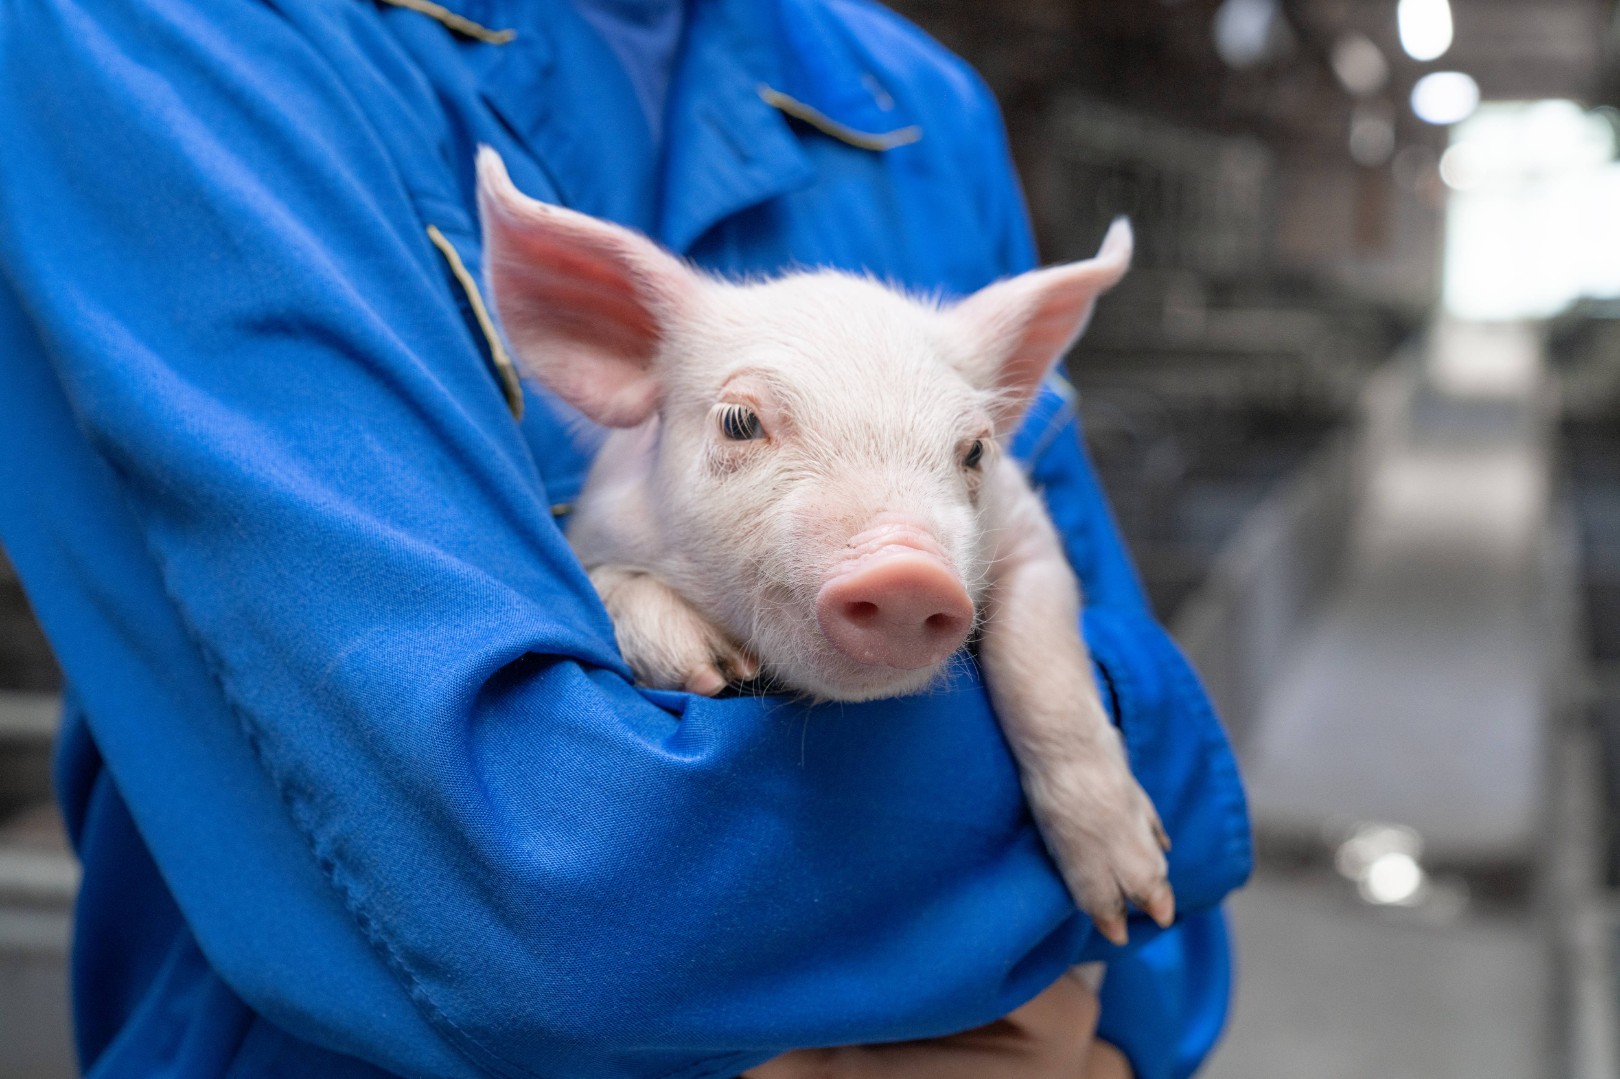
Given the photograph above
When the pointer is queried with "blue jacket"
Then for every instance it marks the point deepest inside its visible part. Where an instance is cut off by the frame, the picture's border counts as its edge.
(360, 783)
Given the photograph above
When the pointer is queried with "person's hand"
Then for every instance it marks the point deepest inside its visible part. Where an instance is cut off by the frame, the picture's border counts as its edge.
(1051, 1037)
(1106, 1062)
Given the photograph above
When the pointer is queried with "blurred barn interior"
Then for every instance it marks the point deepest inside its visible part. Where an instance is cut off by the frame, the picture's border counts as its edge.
(1356, 410)
(1371, 476)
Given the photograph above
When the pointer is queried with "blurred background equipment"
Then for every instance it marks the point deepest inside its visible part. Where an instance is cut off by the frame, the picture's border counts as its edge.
(38, 876)
(1358, 411)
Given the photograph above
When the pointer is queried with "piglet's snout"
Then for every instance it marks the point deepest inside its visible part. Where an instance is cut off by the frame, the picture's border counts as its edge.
(894, 601)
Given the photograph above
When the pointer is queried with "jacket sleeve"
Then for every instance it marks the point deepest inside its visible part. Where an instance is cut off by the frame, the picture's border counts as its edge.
(1164, 1002)
(415, 811)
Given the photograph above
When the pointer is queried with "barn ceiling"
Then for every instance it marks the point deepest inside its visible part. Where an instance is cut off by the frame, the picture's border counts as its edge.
(1159, 56)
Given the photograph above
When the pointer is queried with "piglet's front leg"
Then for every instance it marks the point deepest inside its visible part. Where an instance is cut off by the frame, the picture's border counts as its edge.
(1100, 827)
(667, 642)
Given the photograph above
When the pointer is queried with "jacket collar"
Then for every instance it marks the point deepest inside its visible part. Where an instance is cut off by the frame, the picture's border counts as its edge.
(758, 77)
(759, 80)
(826, 79)
(726, 149)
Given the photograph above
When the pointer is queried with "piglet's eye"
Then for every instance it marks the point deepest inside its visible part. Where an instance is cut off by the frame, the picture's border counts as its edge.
(740, 424)
(974, 455)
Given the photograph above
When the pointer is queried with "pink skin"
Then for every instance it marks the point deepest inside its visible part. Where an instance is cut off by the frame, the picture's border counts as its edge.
(894, 600)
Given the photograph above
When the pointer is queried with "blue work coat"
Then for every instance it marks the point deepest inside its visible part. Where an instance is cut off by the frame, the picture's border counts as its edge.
(360, 782)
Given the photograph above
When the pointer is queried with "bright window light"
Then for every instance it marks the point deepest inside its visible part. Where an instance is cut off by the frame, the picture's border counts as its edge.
(1445, 97)
(1533, 221)
(1425, 27)
(1394, 879)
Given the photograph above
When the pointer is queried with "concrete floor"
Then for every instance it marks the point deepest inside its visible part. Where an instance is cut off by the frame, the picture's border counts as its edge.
(1416, 699)
(1330, 988)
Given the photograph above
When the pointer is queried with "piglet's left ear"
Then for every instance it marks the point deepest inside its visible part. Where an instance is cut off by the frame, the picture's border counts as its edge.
(1015, 330)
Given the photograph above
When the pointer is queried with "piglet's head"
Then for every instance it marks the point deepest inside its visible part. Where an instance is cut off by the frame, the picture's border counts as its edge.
(825, 445)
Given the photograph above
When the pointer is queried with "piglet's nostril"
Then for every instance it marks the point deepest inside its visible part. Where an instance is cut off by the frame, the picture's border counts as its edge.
(862, 611)
(943, 623)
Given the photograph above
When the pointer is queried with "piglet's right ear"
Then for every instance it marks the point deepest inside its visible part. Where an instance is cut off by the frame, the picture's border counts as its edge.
(587, 306)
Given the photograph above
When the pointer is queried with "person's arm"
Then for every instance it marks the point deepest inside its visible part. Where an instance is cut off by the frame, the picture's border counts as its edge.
(1048, 1038)
(412, 708)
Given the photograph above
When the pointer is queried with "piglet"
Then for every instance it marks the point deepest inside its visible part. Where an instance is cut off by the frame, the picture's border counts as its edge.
(806, 477)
